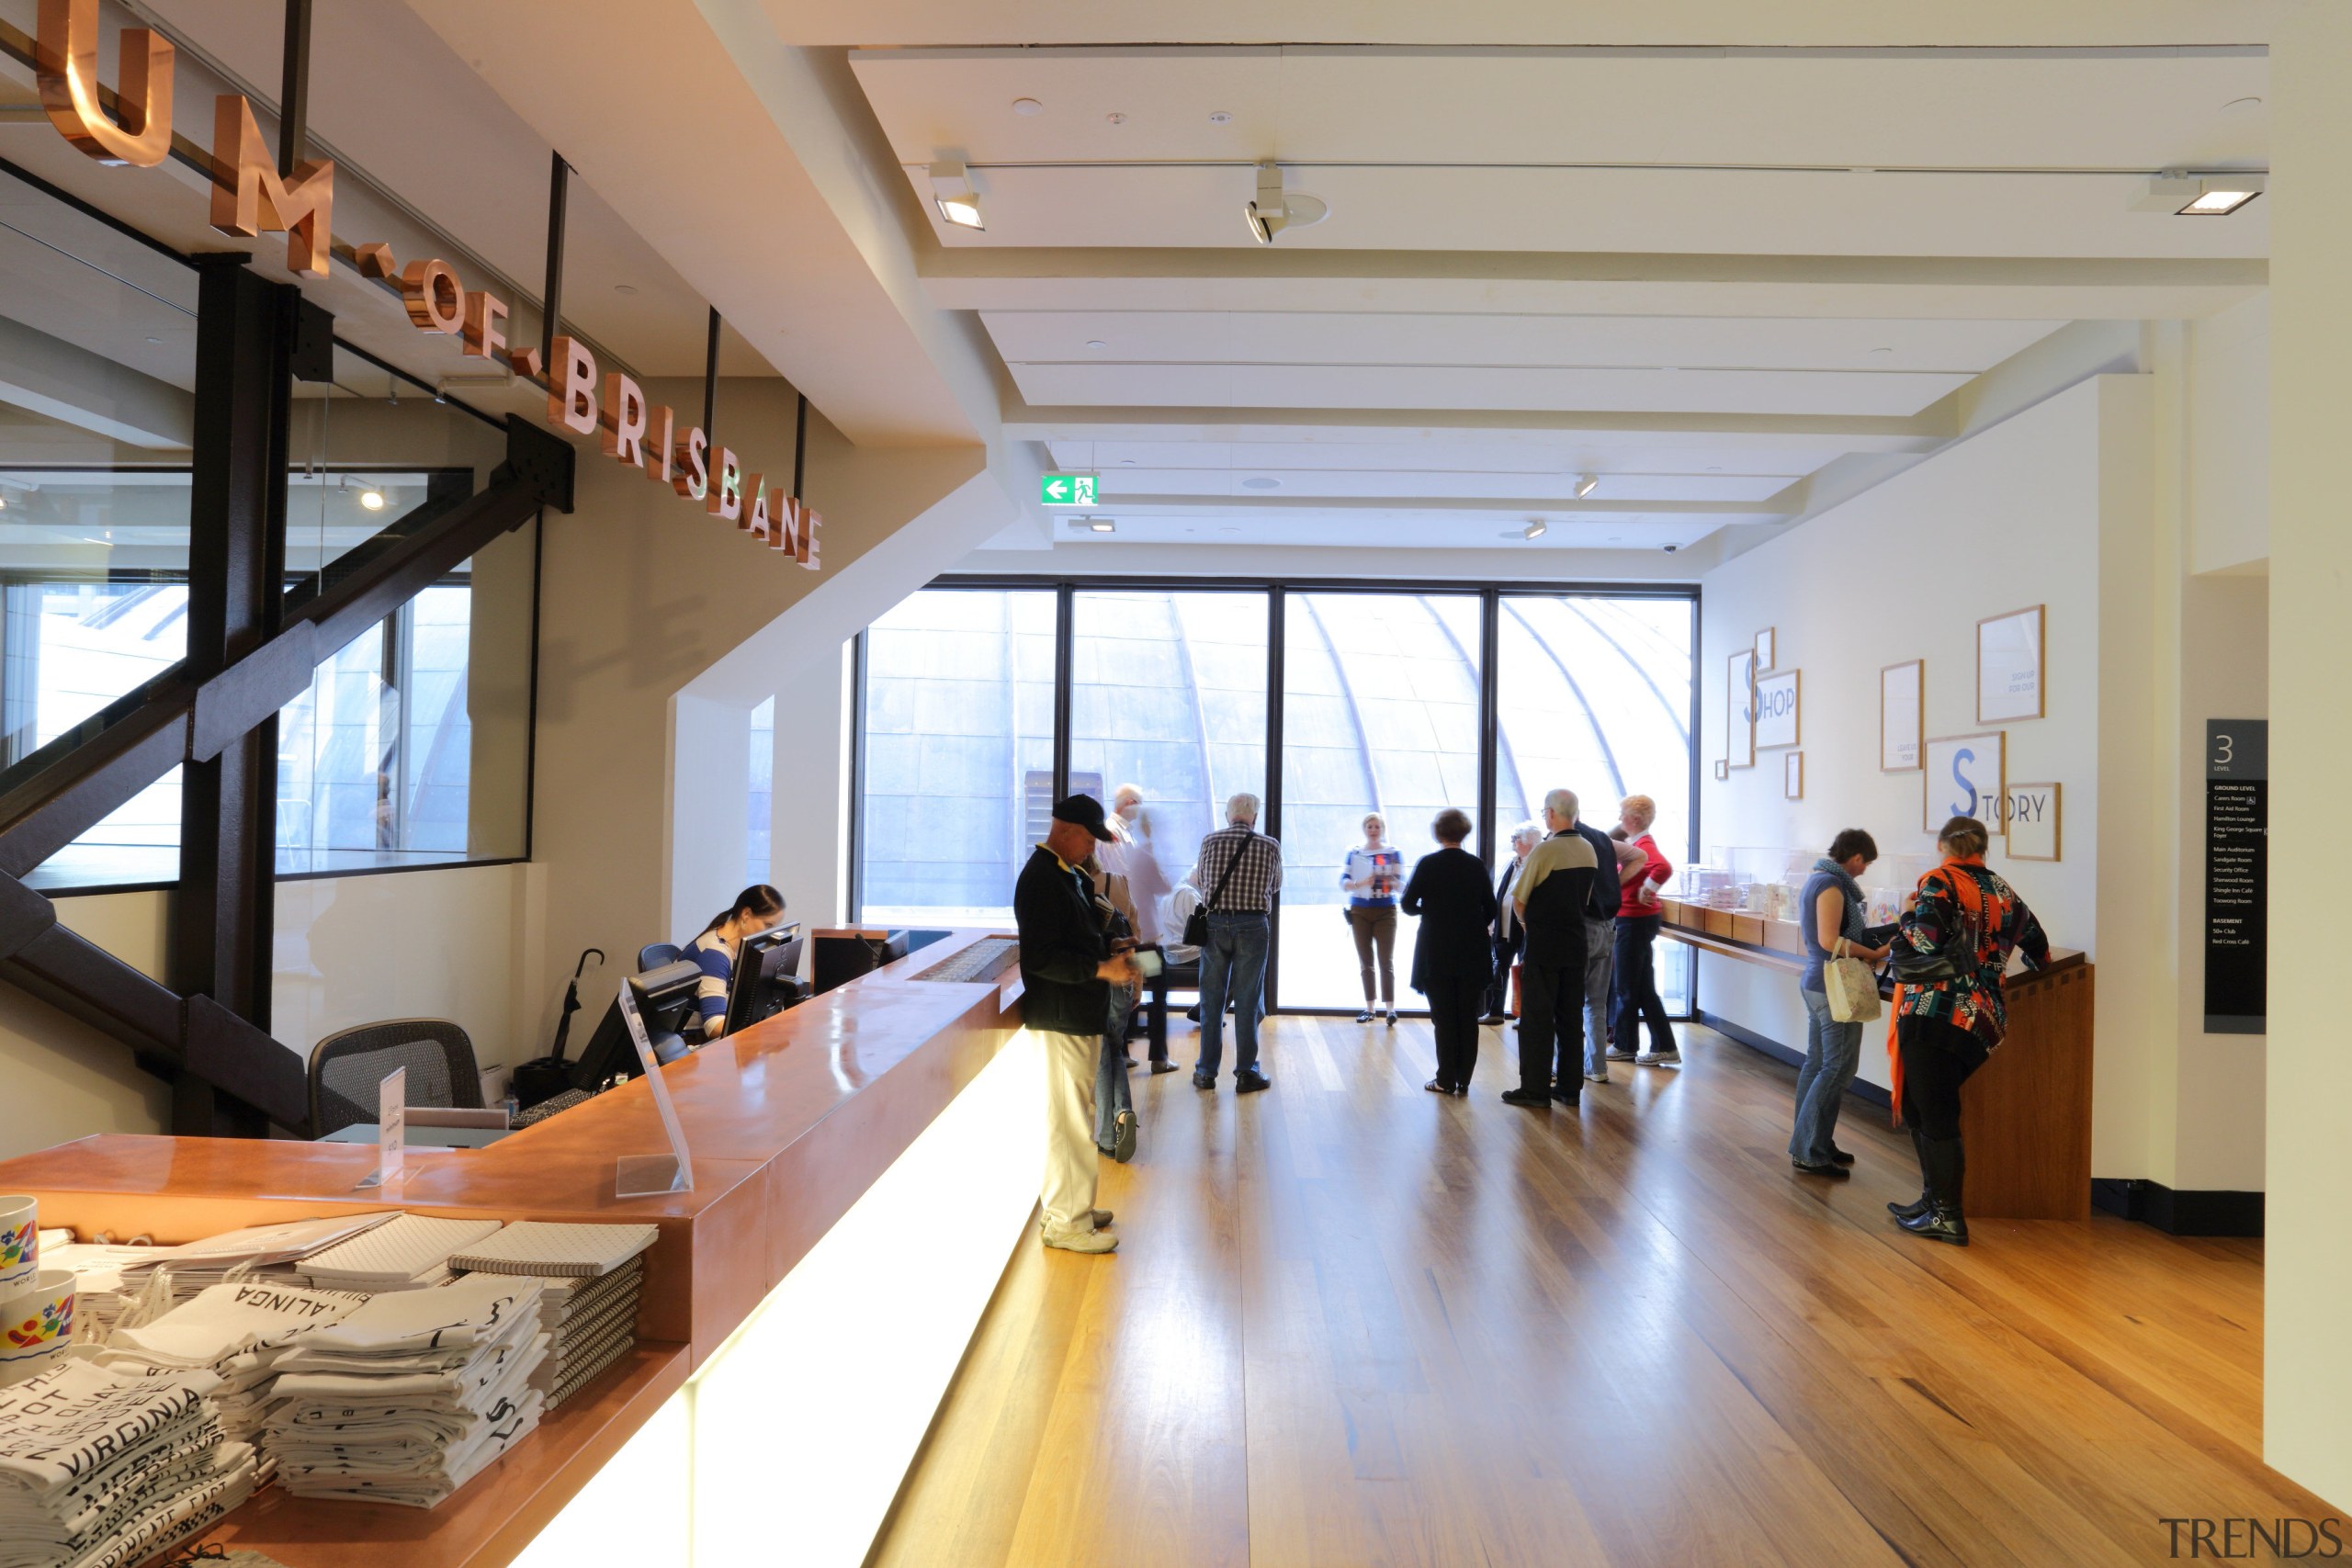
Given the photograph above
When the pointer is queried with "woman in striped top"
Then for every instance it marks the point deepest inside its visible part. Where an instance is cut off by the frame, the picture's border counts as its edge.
(715, 950)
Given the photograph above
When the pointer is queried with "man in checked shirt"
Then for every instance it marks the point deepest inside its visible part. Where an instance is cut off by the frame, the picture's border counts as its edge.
(1241, 870)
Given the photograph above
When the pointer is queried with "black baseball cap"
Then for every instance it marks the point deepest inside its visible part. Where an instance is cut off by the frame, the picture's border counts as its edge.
(1087, 812)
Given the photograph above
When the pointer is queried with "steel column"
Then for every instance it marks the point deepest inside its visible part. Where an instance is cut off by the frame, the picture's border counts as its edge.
(552, 297)
(294, 90)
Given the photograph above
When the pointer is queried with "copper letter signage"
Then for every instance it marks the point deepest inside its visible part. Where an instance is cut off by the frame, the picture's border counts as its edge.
(248, 198)
(69, 87)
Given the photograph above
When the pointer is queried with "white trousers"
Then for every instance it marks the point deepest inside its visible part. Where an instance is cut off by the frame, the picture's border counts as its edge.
(1072, 1160)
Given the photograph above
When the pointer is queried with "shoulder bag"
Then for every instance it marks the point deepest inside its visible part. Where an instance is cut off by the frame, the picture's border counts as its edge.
(1196, 927)
(1852, 985)
(1955, 957)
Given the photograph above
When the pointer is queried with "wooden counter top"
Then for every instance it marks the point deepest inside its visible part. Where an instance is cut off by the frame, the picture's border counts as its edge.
(788, 1124)
(2018, 980)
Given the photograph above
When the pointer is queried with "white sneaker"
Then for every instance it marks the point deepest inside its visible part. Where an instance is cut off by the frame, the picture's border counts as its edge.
(1619, 1053)
(1659, 1059)
(1084, 1241)
(1601, 1077)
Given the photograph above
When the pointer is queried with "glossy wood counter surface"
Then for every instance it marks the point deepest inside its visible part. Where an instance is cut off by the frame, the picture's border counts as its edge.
(788, 1124)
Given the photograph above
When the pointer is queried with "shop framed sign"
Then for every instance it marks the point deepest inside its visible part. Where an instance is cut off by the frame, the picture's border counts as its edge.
(1901, 704)
(1740, 708)
(1776, 710)
(2032, 822)
(1966, 775)
(2009, 666)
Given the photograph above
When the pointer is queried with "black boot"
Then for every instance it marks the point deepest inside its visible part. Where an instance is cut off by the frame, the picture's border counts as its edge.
(1942, 1221)
(1924, 1201)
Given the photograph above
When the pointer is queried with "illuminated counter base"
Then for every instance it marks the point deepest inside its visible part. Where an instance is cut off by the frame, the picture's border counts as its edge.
(801, 1425)
(865, 1165)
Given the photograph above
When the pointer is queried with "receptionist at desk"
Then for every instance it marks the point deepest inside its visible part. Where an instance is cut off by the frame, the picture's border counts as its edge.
(720, 946)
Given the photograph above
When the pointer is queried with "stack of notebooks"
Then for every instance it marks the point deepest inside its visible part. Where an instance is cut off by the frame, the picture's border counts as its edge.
(591, 1275)
(407, 1399)
(266, 1250)
(237, 1332)
(410, 1252)
(103, 1469)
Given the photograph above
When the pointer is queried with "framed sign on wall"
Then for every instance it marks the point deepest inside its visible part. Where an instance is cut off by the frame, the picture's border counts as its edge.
(1966, 775)
(2009, 666)
(1740, 708)
(2033, 821)
(1776, 710)
(1792, 775)
(1723, 769)
(1767, 649)
(1902, 702)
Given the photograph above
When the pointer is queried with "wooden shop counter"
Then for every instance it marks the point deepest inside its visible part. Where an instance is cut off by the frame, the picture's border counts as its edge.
(2026, 1112)
(789, 1123)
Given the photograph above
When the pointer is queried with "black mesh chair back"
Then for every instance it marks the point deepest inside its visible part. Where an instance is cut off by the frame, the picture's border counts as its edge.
(654, 954)
(348, 1066)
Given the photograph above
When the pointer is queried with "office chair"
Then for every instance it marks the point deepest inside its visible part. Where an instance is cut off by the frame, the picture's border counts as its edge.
(348, 1066)
(654, 954)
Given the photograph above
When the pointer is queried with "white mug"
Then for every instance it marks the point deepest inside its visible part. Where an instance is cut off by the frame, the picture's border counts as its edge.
(37, 1325)
(20, 1242)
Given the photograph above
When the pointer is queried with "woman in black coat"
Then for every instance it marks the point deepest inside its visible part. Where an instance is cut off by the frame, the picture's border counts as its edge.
(1452, 955)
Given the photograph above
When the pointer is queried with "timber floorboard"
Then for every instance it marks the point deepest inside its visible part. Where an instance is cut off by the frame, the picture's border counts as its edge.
(1351, 1323)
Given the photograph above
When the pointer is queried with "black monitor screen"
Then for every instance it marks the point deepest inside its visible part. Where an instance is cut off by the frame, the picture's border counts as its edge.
(766, 979)
(665, 997)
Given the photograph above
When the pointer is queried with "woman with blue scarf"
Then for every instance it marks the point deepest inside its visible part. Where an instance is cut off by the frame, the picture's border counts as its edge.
(1830, 909)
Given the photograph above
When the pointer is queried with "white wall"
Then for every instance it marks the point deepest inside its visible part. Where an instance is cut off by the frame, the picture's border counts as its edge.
(2228, 462)
(2008, 519)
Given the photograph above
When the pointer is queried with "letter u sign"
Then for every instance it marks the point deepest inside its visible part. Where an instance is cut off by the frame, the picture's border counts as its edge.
(69, 87)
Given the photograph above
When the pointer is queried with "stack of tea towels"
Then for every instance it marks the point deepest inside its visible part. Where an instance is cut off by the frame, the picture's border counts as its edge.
(237, 1332)
(272, 1251)
(590, 1273)
(104, 1468)
(408, 1397)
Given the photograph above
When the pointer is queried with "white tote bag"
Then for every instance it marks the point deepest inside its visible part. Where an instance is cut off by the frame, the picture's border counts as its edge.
(1851, 987)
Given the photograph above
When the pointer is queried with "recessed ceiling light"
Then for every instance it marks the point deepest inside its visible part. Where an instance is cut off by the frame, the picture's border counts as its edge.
(1220, 117)
(952, 192)
(1115, 117)
(1102, 525)
(1534, 530)
(1586, 484)
(1229, 530)
(1027, 106)
(1127, 462)
(1261, 481)
(373, 500)
(1096, 342)
(624, 288)
(155, 340)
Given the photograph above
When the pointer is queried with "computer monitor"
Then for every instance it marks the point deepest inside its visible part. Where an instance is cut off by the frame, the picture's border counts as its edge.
(666, 999)
(767, 978)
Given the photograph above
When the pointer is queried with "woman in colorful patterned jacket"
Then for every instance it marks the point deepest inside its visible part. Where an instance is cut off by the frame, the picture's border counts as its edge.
(1944, 1030)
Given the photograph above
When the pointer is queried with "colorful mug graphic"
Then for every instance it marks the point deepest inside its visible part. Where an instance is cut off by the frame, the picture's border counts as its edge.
(20, 1242)
(35, 1325)
(51, 1320)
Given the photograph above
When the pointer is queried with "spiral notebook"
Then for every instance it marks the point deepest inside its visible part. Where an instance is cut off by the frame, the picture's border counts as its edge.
(556, 1251)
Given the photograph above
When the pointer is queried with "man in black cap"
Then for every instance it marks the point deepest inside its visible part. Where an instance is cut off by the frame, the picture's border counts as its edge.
(1068, 969)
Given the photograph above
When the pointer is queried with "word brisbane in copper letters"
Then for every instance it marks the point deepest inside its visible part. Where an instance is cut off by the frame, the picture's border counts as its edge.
(249, 198)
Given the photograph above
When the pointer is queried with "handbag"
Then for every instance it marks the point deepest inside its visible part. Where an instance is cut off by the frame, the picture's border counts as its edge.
(1954, 957)
(1851, 987)
(1196, 924)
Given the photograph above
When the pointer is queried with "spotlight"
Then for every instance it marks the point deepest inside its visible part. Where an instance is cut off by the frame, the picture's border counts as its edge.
(1586, 484)
(1272, 211)
(952, 192)
(373, 500)
(1534, 530)
(1102, 525)
(2185, 195)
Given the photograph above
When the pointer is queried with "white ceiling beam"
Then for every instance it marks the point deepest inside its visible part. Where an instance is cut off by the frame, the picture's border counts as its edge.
(1569, 283)
(1852, 432)
(68, 383)
(1552, 506)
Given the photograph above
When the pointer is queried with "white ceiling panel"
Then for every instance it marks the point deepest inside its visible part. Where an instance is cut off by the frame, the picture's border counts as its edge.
(1397, 530)
(1836, 212)
(1121, 485)
(1368, 338)
(1448, 386)
(1420, 455)
(1835, 108)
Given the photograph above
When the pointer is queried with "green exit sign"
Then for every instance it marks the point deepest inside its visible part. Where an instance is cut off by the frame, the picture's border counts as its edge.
(1067, 490)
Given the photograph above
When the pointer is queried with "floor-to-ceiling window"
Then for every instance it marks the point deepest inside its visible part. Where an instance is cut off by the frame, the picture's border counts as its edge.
(1377, 695)
(959, 752)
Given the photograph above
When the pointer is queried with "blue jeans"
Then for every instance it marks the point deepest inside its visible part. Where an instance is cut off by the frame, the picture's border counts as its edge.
(1111, 1094)
(1833, 1050)
(1233, 966)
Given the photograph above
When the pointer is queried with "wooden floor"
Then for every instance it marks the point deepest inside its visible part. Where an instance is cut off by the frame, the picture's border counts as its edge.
(1353, 1323)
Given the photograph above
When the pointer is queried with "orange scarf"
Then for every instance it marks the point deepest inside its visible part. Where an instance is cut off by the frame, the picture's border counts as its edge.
(1895, 1013)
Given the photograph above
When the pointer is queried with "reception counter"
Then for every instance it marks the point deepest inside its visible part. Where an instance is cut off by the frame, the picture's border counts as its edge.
(863, 1165)
(2027, 1111)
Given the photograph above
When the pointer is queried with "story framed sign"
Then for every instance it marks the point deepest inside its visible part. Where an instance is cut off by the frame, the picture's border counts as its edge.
(1966, 775)
(2009, 667)
(1902, 706)
(2033, 821)
(1740, 709)
(1776, 710)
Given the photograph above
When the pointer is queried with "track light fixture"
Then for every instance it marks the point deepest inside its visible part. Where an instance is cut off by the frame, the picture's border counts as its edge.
(1586, 484)
(952, 192)
(1271, 211)
(2198, 195)
(1535, 530)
